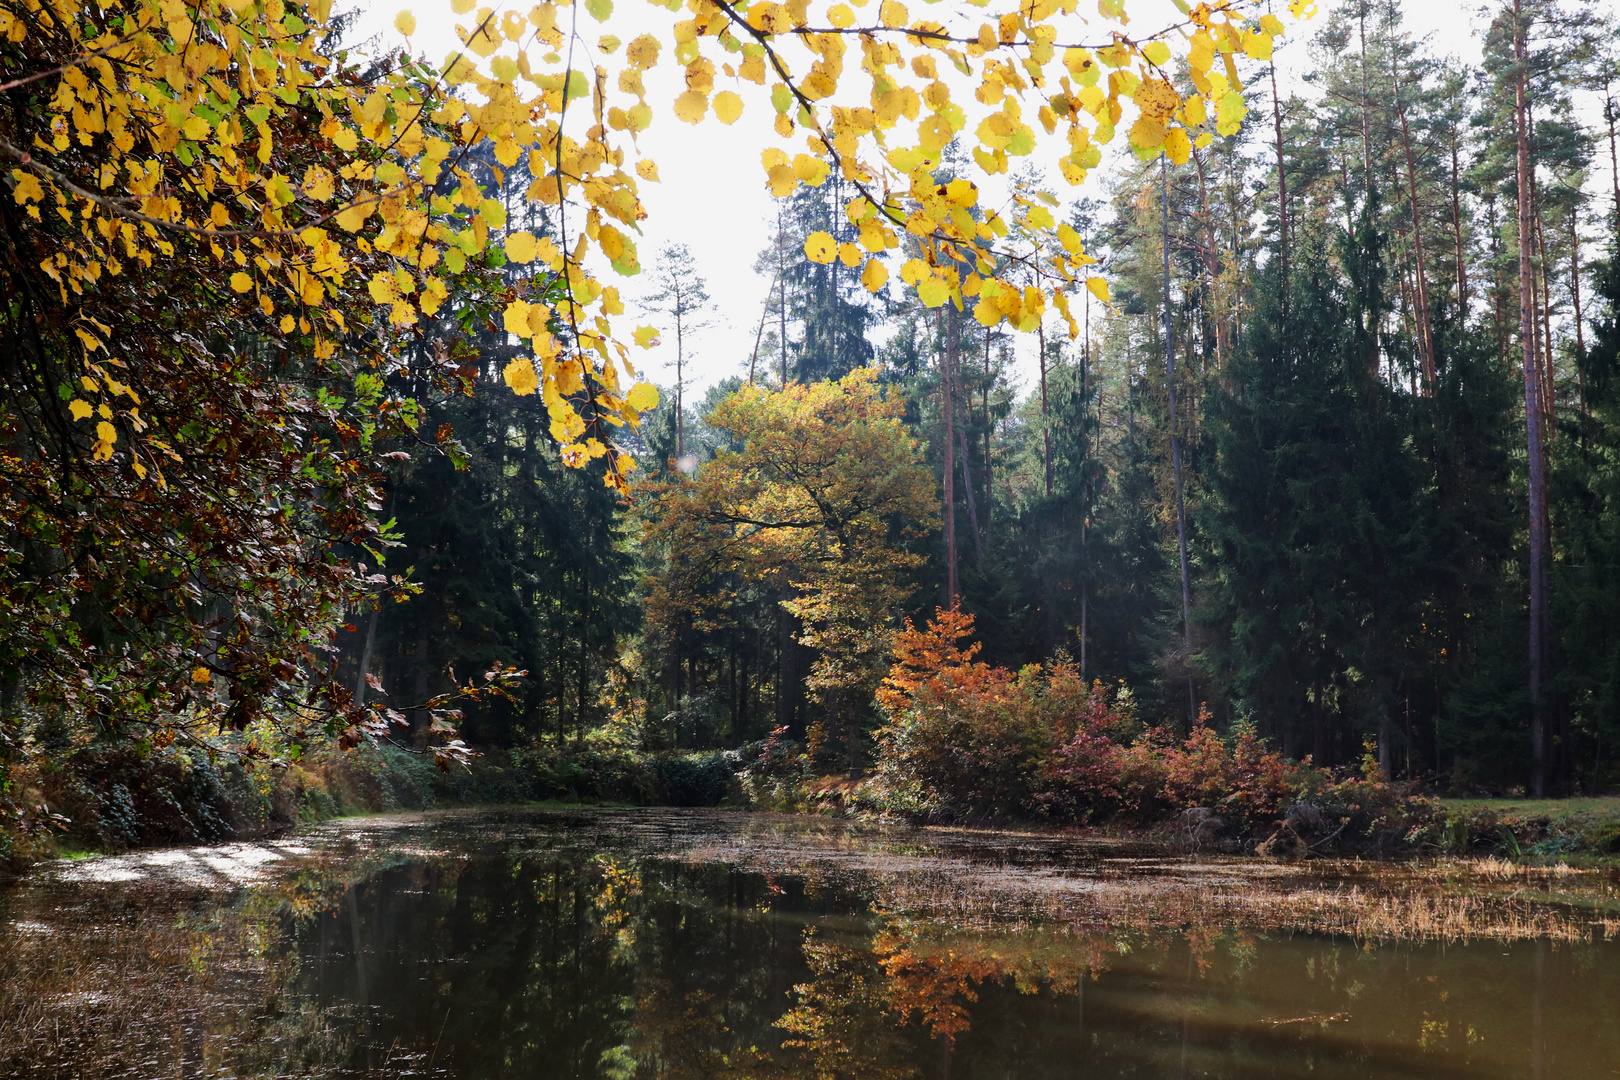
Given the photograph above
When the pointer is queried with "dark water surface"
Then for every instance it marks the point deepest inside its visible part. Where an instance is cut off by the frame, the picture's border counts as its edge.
(621, 944)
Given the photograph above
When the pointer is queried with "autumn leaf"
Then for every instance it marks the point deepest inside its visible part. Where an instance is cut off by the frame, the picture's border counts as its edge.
(1177, 147)
(520, 247)
(521, 377)
(727, 107)
(643, 397)
(819, 247)
(875, 276)
(80, 409)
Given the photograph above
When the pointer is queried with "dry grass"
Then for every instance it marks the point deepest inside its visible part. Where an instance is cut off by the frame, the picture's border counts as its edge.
(970, 880)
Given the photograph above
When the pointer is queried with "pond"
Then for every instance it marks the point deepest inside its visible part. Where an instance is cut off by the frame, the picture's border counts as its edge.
(659, 943)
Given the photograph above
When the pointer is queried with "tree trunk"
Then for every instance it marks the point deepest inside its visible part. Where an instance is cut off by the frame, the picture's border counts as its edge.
(680, 412)
(1532, 417)
(1212, 259)
(1456, 228)
(1046, 423)
(972, 501)
(365, 659)
(1425, 328)
(1282, 178)
(953, 344)
(1175, 443)
(1575, 301)
(1614, 157)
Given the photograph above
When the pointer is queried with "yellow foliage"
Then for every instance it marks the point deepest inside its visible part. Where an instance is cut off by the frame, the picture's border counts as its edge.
(183, 159)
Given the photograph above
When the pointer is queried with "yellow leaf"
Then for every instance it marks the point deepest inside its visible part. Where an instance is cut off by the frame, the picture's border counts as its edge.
(1098, 288)
(841, 16)
(1147, 135)
(241, 282)
(405, 23)
(691, 106)
(1177, 147)
(106, 433)
(647, 169)
(875, 276)
(819, 247)
(642, 52)
(27, 187)
(461, 7)
(200, 675)
(933, 291)
(345, 139)
(520, 247)
(1157, 98)
(643, 397)
(318, 184)
(1257, 44)
(810, 169)
(1156, 53)
(1070, 239)
(646, 336)
(516, 318)
(849, 254)
(79, 409)
(727, 107)
(520, 376)
(1229, 113)
(962, 192)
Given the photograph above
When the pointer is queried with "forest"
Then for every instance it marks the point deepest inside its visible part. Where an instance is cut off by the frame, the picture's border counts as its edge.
(1319, 468)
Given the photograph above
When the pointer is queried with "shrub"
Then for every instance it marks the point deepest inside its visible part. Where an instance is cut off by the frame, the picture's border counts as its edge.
(963, 739)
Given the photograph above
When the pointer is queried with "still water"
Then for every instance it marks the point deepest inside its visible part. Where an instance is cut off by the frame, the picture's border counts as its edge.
(630, 944)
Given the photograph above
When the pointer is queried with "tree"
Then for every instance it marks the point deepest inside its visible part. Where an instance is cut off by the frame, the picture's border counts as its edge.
(683, 297)
(822, 492)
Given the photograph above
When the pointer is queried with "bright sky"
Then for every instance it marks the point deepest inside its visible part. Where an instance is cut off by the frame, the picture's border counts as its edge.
(712, 195)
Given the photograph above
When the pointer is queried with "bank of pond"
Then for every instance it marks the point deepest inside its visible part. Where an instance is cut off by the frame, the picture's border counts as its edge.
(1200, 793)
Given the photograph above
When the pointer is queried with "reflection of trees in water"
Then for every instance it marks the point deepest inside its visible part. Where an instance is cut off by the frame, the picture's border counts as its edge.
(155, 978)
(506, 960)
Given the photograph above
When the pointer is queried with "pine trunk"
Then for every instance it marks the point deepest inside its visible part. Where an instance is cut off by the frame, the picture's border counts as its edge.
(1532, 415)
(953, 344)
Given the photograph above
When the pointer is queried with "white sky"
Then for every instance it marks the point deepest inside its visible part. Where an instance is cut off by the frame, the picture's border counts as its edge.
(712, 195)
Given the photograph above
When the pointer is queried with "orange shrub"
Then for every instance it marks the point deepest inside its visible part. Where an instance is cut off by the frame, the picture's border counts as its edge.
(965, 739)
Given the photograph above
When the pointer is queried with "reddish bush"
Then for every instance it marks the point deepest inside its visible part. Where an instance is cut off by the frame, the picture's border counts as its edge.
(965, 739)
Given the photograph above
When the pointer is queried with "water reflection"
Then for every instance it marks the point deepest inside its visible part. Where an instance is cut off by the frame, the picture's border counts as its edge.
(630, 945)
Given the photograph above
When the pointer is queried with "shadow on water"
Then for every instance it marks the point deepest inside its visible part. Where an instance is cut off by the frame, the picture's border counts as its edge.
(627, 944)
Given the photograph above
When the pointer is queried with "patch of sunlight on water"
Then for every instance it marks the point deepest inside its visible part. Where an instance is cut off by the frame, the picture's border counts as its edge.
(639, 944)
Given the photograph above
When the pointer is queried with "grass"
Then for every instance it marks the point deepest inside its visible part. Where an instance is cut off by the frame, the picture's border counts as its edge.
(1551, 809)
